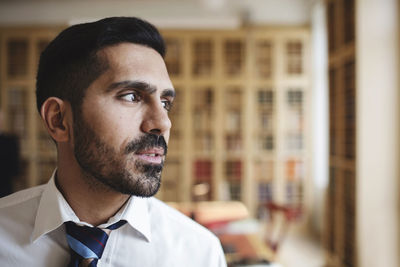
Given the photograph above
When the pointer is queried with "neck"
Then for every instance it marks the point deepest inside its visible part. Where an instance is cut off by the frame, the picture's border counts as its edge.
(94, 204)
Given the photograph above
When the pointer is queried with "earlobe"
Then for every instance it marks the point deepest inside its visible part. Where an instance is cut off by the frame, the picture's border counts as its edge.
(54, 114)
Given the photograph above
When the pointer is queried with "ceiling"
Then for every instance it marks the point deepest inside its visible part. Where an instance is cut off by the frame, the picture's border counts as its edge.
(163, 13)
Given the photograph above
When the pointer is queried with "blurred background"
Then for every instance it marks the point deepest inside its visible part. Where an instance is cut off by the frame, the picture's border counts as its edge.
(285, 138)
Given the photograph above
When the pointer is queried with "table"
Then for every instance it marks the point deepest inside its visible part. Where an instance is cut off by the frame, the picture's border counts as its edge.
(246, 248)
(210, 213)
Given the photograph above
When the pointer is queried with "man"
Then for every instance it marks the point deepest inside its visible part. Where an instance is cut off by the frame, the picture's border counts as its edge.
(104, 93)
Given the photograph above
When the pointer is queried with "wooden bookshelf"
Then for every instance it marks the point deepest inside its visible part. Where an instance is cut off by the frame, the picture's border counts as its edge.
(245, 120)
(20, 51)
(340, 232)
(240, 120)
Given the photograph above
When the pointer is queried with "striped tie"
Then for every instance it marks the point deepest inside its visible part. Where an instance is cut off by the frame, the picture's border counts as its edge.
(87, 243)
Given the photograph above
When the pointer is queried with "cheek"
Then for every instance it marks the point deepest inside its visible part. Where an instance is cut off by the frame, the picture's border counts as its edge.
(116, 128)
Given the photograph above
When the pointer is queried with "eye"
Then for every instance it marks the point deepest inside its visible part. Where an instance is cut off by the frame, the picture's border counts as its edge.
(131, 97)
(167, 104)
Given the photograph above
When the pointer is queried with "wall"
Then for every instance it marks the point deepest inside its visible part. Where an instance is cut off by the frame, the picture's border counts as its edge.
(378, 120)
(320, 117)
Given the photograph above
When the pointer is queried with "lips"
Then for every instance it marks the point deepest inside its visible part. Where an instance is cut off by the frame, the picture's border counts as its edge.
(152, 151)
(152, 155)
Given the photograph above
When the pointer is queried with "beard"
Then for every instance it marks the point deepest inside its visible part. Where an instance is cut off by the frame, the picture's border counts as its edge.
(104, 166)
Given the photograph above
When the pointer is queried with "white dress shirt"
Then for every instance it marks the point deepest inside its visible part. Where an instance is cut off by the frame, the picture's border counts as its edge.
(32, 233)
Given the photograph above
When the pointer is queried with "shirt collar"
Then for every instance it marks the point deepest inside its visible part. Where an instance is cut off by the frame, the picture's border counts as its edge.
(54, 210)
(136, 213)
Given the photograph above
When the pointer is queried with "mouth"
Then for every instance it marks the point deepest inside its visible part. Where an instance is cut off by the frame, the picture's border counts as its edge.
(153, 155)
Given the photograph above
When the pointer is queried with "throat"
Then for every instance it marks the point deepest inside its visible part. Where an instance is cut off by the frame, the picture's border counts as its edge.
(98, 210)
(91, 204)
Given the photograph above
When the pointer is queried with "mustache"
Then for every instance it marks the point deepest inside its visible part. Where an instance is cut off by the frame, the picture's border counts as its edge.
(146, 141)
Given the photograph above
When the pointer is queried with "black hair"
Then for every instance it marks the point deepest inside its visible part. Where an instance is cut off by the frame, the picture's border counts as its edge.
(70, 62)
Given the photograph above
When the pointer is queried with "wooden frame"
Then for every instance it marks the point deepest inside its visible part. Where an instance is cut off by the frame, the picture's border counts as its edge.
(340, 231)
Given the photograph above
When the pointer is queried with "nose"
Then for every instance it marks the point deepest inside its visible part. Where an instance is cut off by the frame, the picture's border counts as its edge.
(156, 120)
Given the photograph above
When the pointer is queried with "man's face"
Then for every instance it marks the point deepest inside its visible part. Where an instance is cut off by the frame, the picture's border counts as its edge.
(121, 135)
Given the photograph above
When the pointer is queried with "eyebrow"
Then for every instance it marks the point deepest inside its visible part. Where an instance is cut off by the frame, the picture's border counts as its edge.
(142, 86)
(168, 93)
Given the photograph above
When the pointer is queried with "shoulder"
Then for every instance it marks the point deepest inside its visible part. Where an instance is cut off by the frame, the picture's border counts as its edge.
(183, 239)
(22, 197)
(176, 222)
(17, 217)
(20, 207)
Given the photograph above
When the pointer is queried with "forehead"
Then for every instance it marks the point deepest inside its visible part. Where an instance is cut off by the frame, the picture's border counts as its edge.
(127, 61)
(129, 64)
(129, 54)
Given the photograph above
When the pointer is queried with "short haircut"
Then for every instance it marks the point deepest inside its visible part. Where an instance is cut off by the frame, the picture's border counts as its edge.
(70, 63)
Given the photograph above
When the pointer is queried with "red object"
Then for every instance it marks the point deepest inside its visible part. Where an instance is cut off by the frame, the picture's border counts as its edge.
(290, 213)
(217, 224)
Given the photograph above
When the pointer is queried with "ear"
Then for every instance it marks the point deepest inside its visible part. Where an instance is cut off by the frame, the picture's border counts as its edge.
(55, 113)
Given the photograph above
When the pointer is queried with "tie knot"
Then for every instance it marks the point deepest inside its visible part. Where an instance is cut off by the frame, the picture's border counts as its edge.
(88, 242)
